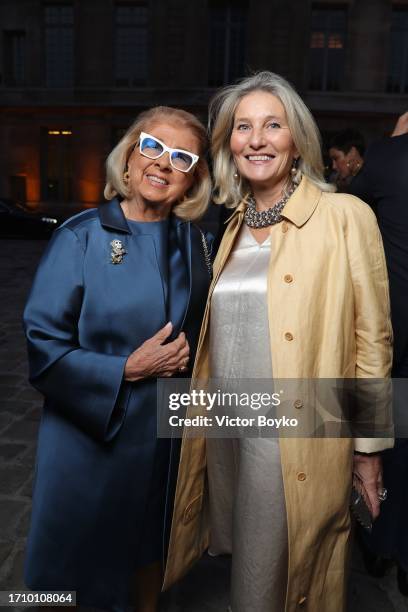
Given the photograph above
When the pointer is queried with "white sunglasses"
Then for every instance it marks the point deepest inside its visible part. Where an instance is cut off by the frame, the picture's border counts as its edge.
(153, 148)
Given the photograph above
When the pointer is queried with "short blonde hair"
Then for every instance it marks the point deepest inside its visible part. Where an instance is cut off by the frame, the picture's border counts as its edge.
(302, 126)
(196, 200)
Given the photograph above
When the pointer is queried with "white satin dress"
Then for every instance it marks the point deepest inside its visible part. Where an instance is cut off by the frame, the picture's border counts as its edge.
(247, 504)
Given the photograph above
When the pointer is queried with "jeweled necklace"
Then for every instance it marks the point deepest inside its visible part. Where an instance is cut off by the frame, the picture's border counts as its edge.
(270, 216)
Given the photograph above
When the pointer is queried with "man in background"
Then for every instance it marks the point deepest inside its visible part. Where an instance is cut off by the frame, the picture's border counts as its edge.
(383, 183)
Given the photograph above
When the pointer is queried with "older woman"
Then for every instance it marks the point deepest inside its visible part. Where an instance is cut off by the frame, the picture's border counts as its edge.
(300, 291)
(117, 302)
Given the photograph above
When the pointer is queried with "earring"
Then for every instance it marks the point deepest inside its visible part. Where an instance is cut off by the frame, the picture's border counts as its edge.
(236, 175)
(294, 168)
(126, 177)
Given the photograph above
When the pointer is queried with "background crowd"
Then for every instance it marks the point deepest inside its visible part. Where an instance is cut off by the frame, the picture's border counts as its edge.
(378, 175)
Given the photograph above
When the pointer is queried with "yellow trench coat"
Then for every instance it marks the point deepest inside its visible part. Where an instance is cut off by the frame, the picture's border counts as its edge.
(337, 310)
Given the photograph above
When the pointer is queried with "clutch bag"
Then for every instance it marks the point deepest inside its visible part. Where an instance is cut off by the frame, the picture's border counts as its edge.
(360, 504)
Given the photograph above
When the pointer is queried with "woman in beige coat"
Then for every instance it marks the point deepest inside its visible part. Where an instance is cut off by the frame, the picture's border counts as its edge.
(300, 290)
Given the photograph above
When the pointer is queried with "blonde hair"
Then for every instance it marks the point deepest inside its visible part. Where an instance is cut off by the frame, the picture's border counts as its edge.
(196, 200)
(302, 126)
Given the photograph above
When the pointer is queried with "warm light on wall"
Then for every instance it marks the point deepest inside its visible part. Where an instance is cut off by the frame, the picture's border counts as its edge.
(89, 191)
(33, 189)
(32, 186)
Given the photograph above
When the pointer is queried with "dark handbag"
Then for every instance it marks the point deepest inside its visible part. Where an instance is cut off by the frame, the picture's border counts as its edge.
(360, 503)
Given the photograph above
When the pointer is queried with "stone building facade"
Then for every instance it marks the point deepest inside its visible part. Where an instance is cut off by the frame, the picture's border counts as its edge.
(75, 73)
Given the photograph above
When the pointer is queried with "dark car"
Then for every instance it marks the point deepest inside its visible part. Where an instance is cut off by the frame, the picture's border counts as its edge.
(17, 221)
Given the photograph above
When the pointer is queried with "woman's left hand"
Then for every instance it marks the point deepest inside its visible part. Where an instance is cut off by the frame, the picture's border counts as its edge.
(369, 468)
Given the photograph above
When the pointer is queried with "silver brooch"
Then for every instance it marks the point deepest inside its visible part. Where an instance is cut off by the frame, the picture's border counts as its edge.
(117, 252)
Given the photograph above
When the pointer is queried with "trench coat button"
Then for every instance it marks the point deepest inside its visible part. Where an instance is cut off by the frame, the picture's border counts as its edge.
(301, 476)
(288, 336)
(302, 601)
(288, 278)
(298, 403)
(285, 227)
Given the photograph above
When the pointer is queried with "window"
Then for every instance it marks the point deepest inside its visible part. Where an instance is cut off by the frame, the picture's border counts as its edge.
(131, 45)
(327, 42)
(14, 58)
(227, 41)
(59, 45)
(398, 61)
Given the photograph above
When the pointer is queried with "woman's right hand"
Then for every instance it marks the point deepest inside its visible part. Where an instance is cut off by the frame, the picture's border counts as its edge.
(155, 359)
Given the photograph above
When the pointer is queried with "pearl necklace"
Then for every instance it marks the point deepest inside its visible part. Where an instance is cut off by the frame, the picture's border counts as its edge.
(263, 218)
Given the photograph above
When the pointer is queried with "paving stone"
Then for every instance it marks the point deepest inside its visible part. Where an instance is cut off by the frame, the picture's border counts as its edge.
(5, 549)
(16, 407)
(34, 413)
(27, 489)
(23, 523)
(14, 576)
(15, 327)
(5, 419)
(10, 355)
(22, 370)
(28, 458)
(22, 430)
(9, 365)
(11, 451)
(14, 339)
(7, 392)
(11, 512)
(11, 379)
(29, 393)
(12, 478)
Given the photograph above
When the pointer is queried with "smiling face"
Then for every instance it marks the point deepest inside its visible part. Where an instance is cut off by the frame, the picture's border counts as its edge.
(261, 143)
(155, 180)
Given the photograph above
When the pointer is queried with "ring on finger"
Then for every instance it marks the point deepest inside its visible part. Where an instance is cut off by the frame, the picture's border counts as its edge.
(382, 494)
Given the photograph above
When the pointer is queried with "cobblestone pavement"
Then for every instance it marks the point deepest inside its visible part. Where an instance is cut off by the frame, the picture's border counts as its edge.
(206, 587)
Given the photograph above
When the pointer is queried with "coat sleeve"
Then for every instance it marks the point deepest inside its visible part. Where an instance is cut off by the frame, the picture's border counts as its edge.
(85, 386)
(373, 331)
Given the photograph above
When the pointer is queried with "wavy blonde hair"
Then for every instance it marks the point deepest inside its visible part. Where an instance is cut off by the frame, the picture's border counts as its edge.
(302, 126)
(196, 199)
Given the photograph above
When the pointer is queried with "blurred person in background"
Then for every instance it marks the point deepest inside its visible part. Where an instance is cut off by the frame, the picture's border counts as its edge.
(346, 152)
(383, 183)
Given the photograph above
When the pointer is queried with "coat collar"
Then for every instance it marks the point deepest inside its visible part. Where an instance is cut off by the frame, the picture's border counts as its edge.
(112, 217)
(300, 206)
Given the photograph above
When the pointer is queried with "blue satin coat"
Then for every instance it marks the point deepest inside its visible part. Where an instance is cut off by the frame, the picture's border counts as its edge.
(97, 437)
